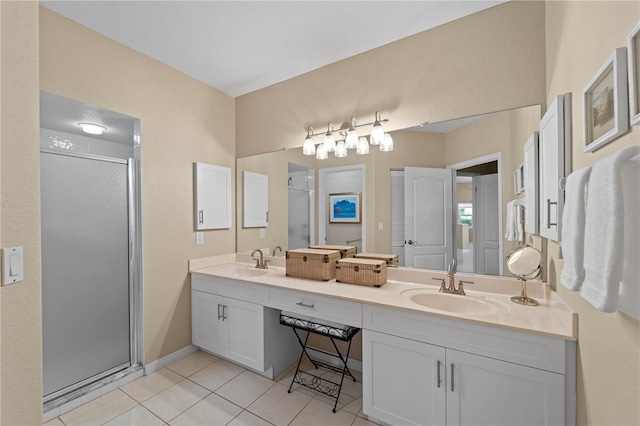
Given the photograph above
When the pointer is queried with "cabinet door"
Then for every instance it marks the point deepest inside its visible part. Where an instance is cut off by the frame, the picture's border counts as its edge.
(403, 384)
(207, 327)
(244, 333)
(531, 185)
(212, 190)
(485, 391)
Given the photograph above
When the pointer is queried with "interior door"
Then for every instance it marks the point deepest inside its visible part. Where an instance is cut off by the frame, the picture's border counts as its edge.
(428, 197)
(486, 225)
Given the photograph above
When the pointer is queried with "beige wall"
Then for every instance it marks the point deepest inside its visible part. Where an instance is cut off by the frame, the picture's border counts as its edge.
(609, 344)
(490, 61)
(182, 121)
(20, 310)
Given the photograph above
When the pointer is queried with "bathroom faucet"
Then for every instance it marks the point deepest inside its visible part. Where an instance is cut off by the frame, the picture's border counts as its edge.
(275, 249)
(451, 286)
(260, 263)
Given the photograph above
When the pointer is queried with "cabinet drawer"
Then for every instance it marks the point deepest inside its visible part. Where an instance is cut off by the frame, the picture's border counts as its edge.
(340, 311)
(229, 288)
(534, 350)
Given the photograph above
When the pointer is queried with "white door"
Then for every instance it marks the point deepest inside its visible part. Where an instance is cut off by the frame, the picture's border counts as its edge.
(428, 195)
(485, 391)
(245, 340)
(212, 196)
(404, 384)
(486, 225)
(207, 327)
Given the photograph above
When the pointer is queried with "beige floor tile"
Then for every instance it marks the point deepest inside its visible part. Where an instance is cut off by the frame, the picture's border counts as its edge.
(54, 422)
(100, 410)
(192, 363)
(247, 419)
(213, 410)
(216, 374)
(279, 407)
(173, 401)
(245, 388)
(349, 387)
(147, 386)
(359, 421)
(354, 407)
(136, 416)
(321, 414)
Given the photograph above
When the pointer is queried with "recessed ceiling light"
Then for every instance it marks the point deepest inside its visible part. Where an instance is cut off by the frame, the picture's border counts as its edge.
(93, 129)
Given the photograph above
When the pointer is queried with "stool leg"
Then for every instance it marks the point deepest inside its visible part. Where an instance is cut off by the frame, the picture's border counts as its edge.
(345, 369)
(304, 351)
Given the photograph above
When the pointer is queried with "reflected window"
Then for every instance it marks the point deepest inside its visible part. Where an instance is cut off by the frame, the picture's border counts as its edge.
(465, 214)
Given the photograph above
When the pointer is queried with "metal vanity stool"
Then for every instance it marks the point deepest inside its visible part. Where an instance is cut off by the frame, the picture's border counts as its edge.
(317, 383)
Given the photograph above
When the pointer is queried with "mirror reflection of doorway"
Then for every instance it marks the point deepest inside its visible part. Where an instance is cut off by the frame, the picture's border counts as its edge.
(300, 184)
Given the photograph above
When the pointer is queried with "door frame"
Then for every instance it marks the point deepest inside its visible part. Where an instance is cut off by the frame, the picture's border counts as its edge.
(474, 162)
(323, 207)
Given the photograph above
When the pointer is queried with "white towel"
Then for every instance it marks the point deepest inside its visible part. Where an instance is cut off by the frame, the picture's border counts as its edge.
(573, 222)
(513, 225)
(629, 294)
(604, 252)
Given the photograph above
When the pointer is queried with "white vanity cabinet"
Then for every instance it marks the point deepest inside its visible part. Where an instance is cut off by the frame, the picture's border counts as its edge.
(229, 320)
(425, 370)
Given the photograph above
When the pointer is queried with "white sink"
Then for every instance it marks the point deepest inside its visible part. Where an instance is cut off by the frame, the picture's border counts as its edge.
(469, 304)
(245, 271)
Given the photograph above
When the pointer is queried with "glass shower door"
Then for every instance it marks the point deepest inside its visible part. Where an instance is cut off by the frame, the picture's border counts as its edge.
(85, 268)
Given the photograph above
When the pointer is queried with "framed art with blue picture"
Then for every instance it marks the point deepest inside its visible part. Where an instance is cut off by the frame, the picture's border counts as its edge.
(345, 207)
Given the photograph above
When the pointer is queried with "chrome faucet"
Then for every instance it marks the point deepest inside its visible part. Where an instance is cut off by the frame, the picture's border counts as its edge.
(451, 286)
(275, 249)
(261, 263)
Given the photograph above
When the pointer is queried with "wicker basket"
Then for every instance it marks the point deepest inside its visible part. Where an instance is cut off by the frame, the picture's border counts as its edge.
(366, 272)
(345, 251)
(391, 259)
(312, 264)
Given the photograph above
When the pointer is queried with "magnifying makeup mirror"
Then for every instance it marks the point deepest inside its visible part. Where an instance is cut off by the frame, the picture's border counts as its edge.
(524, 262)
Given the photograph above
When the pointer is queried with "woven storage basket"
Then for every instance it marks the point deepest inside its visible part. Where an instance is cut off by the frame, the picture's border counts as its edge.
(366, 272)
(312, 264)
(345, 251)
(391, 259)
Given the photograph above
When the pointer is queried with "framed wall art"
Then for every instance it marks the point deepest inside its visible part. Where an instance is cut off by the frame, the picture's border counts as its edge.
(633, 61)
(345, 207)
(605, 103)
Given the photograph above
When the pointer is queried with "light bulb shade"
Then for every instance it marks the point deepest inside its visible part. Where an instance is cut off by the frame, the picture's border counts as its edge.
(329, 142)
(363, 146)
(92, 129)
(387, 143)
(341, 149)
(321, 152)
(352, 139)
(377, 134)
(309, 148)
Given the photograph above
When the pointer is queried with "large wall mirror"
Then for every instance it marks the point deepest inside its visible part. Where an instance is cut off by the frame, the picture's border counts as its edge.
(400, 213)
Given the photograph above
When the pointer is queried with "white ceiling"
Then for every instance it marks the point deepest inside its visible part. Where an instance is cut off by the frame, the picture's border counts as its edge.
(242, 46)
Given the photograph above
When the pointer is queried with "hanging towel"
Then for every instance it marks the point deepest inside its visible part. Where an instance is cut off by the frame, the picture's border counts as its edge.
(573, 223)
(514, 225)
(604, 252)
(629, 294)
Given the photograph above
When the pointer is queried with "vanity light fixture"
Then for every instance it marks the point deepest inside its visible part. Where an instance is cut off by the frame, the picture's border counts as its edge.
(92, 129)
(309, 147)
(347, 138)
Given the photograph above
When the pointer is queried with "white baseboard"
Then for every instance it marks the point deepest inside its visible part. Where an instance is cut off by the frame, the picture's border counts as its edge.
(169, 359)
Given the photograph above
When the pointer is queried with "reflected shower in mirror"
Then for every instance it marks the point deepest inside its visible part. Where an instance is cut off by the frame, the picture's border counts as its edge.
(478, 154)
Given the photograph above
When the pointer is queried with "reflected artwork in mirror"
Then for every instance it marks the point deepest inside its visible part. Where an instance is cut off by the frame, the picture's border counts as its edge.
(480, 154)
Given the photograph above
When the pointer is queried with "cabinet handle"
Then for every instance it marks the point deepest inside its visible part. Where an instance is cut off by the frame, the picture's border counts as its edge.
(305, 305)
(438, 374)
(451, 377)
(219, 314)
(549, 203)
(224, 312)
(201, 216)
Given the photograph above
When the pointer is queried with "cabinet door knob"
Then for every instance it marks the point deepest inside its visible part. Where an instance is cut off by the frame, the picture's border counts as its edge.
(219, 314)
(438, 379)
(305, 305)
(201, 216)
(224, 312)
(452, 377)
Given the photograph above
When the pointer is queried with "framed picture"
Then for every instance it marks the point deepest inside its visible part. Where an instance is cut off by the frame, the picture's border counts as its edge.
(518, 180)
(345, 207)
(633, 53)
(605, 112)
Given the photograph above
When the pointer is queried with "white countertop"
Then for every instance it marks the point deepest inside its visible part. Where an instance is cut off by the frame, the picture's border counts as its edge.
(552, 317)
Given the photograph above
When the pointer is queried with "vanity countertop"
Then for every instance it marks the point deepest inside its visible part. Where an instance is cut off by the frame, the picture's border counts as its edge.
(552, 317)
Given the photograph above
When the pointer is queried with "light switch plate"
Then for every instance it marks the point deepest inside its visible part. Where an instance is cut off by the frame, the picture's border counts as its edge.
(380, 226)
(12, 265)
(261, 232)
(199, 238)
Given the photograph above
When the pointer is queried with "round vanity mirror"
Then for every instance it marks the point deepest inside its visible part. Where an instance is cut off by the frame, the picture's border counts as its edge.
(524, 262)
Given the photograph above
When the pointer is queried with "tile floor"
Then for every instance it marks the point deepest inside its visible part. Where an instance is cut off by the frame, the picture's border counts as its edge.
(202, 389)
